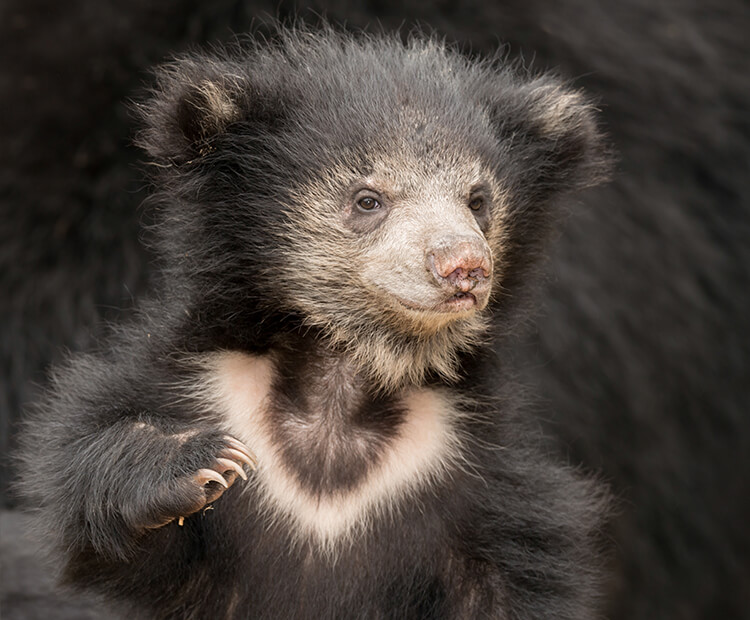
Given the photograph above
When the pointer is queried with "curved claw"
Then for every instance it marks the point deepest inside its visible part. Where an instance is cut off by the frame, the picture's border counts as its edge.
(235, 444)
(204, 476)
(236, 455)
(227, 465)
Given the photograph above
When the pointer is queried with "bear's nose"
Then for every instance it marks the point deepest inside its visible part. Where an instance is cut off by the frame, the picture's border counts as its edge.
(463, 264)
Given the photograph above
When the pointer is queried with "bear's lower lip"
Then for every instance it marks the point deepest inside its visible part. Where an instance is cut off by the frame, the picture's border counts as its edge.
(460, 302)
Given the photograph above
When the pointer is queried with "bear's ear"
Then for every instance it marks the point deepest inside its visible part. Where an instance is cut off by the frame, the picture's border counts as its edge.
(552, 130)
(194, 102)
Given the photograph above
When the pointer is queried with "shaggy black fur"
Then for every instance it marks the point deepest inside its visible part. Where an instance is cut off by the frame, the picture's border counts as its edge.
(504, 532)
(643, 350)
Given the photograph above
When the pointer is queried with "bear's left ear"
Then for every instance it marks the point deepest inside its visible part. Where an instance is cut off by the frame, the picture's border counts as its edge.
(551, 130)
(195, 100)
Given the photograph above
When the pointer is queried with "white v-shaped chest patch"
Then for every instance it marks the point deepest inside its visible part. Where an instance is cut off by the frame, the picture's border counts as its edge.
(423, 450)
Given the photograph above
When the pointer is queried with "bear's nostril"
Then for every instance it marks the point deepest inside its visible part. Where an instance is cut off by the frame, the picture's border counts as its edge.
(463, 273)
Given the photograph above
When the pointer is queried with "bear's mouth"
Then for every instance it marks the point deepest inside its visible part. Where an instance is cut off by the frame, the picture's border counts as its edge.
(460, 302)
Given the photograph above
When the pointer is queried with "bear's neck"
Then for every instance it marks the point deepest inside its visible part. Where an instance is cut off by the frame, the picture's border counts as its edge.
(325, 419)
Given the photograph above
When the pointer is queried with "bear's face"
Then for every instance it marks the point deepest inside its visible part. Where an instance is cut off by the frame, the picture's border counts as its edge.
(386, 194)
(414, 239)
(428, 239)
(393, 234)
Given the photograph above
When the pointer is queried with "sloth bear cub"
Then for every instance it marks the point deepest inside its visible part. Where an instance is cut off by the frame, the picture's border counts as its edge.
(311, 417)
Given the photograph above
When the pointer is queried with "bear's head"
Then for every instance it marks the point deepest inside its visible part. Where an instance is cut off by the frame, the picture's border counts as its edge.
(387, 196)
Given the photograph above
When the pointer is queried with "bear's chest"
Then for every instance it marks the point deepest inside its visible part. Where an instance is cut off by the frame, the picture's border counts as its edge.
(330, 466)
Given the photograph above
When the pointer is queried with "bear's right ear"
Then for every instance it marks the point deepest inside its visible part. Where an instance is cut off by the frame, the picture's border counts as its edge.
(554, 131)
(194, 102)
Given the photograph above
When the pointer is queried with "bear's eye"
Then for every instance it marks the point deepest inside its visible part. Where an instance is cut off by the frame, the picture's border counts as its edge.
(476, 203)
(368, 203)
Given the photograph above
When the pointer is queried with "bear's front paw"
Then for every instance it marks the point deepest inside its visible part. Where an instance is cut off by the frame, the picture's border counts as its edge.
(187, 494)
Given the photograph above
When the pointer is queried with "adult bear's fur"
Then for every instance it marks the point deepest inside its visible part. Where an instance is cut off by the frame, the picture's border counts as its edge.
(652, 391)
(396, 476)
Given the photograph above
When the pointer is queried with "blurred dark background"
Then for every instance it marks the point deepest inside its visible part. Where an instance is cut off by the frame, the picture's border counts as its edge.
(640, 356)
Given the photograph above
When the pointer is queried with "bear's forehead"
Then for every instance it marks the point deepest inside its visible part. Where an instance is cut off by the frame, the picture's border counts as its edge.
(389, 112)
(404, 141)
(399, 115)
